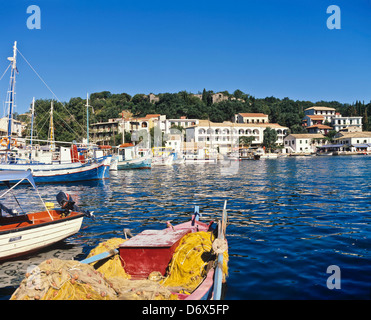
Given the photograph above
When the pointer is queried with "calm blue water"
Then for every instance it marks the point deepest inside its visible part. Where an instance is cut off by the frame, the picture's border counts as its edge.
(289, 219)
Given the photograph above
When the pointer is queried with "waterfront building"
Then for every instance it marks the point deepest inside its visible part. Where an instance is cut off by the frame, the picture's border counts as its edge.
(174, 141)
(224, 136)
(250, 118)
(355, 139)
(102, 133)
(319, 115)
(303, 143)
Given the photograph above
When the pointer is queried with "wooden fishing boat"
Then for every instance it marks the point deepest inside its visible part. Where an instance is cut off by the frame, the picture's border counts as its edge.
(21, 234)
(152, 251)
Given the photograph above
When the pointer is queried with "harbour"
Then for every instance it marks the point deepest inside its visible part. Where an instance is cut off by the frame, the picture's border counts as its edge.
(141, 158)
(289, 219)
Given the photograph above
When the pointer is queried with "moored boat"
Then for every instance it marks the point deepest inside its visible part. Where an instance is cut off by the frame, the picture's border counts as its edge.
(49, 165)
(187, 261)
(131, 157)
(21, 234)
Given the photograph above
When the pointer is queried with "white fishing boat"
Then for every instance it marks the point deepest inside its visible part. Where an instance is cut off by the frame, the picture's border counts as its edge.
(50, 165)
(24, 233)
(131, 157)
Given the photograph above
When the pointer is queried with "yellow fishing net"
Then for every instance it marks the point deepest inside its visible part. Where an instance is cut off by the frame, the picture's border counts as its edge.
(191, 261)
(112, 267)
(57, 279)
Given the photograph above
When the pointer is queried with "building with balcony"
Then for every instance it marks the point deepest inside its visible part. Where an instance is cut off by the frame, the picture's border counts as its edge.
(251, 118)
(224, 136)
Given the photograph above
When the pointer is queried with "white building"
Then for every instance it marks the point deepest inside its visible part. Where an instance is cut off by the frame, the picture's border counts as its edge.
(302, 143)
(251, 118)
(174, 141)
(17, 127)
(353, 138)
(224, 136)
(182, 122)
(318, 115)
(326, 112)
(339, 123)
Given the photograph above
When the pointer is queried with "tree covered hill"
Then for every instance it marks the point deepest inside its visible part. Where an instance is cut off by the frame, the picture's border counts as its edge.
(70, 117)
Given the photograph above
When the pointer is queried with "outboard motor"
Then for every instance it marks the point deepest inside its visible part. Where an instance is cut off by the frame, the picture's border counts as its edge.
(66, 202)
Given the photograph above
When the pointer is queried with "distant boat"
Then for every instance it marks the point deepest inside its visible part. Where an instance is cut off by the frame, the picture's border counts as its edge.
(162, 156)
(203, 155)
(131, 157)
(47, 165)
(22, 234)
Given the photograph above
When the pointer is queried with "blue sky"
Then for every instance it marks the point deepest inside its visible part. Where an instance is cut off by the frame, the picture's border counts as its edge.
(264, 48)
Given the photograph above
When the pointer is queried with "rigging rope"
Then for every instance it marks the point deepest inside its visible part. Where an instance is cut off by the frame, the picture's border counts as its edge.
(84, 131)
(5, 71)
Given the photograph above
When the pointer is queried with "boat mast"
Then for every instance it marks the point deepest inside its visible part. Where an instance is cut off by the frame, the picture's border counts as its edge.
(51, 129)
(12, 92)
(32, 118)
(87, 120)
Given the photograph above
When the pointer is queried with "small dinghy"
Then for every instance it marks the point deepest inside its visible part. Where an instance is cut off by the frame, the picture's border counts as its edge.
(24, 233)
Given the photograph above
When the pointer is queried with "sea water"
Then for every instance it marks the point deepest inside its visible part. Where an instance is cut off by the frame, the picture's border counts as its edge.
(290, 219)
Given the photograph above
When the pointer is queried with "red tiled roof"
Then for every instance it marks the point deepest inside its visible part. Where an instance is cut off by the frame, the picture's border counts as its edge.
(317, 117)
(320, 126)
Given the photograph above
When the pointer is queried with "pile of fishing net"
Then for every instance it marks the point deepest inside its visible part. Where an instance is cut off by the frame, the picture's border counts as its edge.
(57, 279)
(191, 262)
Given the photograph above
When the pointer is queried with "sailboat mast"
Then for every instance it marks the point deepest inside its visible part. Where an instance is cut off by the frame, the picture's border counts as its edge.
(51, 128)
(32, 119)
(87, 120)
(12, 92)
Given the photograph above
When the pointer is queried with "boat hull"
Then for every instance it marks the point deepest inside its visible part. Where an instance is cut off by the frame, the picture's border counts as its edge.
(16, 242)
(94, 171)
(134, 164)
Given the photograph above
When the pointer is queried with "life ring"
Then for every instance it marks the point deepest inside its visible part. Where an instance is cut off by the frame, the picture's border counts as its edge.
(14, 143)
(4, 141)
